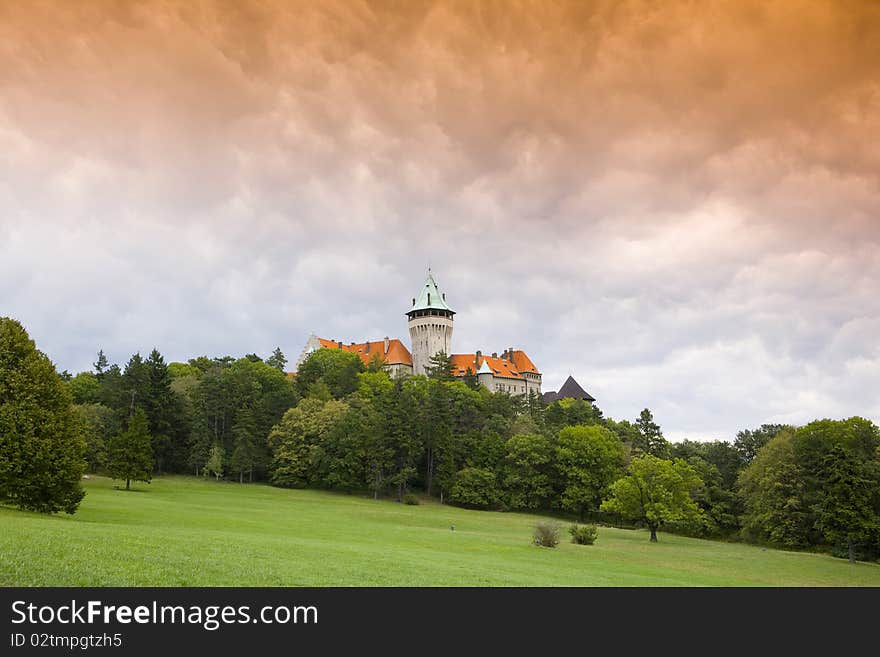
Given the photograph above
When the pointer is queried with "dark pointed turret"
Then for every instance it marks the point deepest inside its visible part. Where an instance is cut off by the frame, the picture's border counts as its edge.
(571, 389)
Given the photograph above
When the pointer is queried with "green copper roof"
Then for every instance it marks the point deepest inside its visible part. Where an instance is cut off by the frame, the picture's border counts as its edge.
(430, 297)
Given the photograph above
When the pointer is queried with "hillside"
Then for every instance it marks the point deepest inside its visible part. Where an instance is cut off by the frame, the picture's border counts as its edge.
(181, 531)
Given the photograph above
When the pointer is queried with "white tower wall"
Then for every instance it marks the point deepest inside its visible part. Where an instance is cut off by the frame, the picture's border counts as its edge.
(429, 335)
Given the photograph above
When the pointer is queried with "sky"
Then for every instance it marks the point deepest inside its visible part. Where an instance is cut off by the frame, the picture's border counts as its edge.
(677, 203)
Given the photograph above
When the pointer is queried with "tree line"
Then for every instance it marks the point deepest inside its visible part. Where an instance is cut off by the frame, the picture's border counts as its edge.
(354, 428)
(338, 424)
(209, 415)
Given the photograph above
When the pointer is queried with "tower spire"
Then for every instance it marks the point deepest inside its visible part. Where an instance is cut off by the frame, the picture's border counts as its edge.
(430, 324)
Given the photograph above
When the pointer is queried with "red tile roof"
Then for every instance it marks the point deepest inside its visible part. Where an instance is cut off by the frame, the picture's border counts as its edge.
(501, 367)
(461, 363)
(522, 362)
(397, 353)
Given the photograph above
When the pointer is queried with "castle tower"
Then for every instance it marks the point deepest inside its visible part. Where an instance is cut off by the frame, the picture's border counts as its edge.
(430, 325)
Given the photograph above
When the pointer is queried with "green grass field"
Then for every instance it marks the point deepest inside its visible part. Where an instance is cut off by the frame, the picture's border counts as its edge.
(181, 531)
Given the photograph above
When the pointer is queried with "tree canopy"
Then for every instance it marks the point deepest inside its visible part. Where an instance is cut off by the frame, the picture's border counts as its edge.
(589, 459)
(818, 484)
(338, 424)
(334, 368)
(41, 436)
(656, 491)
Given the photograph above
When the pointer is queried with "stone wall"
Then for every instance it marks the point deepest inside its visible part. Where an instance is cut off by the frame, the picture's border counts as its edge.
(429, 335)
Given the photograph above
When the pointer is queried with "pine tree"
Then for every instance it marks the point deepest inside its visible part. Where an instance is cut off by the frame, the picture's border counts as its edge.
(101, 364)
(651, 440)
(471, 380)
(130, 453)
(135, 384)
(41, 438)
(245, 452)
(160, 405)
(441, 367)
(277, 360)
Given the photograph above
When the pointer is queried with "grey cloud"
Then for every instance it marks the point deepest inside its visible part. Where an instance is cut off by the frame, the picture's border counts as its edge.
(676, 205)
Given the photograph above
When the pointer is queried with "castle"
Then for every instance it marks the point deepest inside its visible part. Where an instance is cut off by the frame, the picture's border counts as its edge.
(430, 322)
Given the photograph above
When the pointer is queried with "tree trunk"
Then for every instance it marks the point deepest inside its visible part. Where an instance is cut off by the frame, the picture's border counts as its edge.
(430, 469)
(852, 553)
(241, 476)
(127, 484)
(653, 533)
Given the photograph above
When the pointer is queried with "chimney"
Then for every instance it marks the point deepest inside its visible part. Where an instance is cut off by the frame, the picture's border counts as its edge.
(385, 344)
(340, 344)
(367, 348)
(494, 354)
(477, 359)
(510, 353)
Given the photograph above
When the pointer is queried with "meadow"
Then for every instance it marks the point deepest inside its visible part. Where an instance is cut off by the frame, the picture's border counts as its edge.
(183, 531)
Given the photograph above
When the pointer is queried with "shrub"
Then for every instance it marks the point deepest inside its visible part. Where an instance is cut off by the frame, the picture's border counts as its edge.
(411, 499)
(583, 534)
(546, 534)
(475, 488)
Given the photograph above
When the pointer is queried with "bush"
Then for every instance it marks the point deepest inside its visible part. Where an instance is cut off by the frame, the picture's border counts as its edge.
(411, 499)
(546, 534)
(583, 535)
(475, 488)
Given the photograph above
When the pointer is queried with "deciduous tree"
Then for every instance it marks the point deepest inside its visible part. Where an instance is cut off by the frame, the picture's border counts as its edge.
(528, 474)
(589, 458)
(85, 388)
(774, 495)
(655, 491)
(475, 488)
(335, 368)
(846, 505)
(215, 462)
(41, 437)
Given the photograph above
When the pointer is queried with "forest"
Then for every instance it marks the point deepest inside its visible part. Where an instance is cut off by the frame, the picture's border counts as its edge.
(342, 425)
